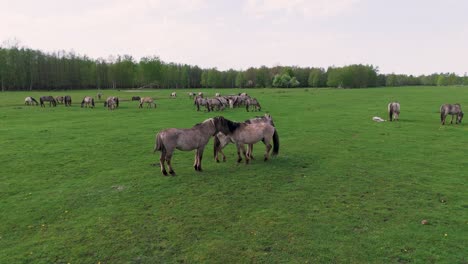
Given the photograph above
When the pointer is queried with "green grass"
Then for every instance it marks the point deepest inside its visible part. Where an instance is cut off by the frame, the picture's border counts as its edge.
(77, 185)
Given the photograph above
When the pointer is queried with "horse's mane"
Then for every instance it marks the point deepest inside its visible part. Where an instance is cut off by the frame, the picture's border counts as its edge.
(232, 126)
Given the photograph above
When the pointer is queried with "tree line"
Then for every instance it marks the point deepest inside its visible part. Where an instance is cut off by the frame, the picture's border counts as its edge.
(27, 69)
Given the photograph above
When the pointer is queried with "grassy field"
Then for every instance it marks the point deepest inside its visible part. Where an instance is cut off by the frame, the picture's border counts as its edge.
(77, 185)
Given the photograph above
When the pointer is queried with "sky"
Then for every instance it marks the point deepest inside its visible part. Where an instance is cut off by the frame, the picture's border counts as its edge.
(411, 37)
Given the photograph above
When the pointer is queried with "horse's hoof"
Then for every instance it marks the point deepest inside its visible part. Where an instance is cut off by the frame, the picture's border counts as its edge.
(172, 173)
(217, 161)
(265, 159)
(164, 173)
(239, 160)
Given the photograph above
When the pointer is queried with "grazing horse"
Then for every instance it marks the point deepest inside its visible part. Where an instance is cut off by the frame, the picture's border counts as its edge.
(453, 110)
(149, 102)
(250, 133)
(87, 101)
(200, 101)
(173, 95)
(99, 95)
(67, 99)
(49, 99)
(191, 95)
(136, 98)
(394, 111)
(214, 102)
(111, 102)
(252, 102)
(221, 140)
(30, 101)
(185, 139)
(59, 99)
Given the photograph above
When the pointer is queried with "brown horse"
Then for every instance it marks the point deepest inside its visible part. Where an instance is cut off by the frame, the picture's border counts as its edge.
(393, 111)
(87, 101)
(111, 102)
(186, 139)
(59, 99)
(221, 140)
(136, 98)
(250, 133)
(67, 100)
(453, 110)
(200, 101)
(49, 99)
(149, 102)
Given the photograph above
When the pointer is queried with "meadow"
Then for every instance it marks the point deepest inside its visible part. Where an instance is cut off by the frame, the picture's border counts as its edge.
(77, 185)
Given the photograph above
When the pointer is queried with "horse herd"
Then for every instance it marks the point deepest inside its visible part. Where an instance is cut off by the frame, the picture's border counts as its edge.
(112, 102)
(446, 109)
(224, 132)
(221, 102)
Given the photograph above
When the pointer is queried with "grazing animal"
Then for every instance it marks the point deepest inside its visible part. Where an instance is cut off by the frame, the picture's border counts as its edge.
(453, 110)
(111, 102)
(87, 101)
(191, 95)
(136, 98)
(149, 102)
(213, 103)
(99, 95)
(59, 99)
(49, 99)
(200, 101)
(194, 138)
(217, 94)
(250, 133)
(30, 101)
(394, 111)
(173, 95)
(221, 140)
(252, 103)
(67, 100)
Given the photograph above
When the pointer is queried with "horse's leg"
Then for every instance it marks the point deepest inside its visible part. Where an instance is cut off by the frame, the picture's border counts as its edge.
(161, 162)
(250, 151)
(224, 156)
(239, 157)
(451, 121)
(195, 163)
(246, 155)
(200, 157)
(169, 165)
(267, 150)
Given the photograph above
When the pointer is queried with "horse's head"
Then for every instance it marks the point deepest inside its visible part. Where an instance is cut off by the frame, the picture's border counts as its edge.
(460, 117)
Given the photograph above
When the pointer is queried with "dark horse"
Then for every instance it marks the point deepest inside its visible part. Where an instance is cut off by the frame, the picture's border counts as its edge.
(453, 110)
(136, 98)
(394, 111)
(186, 139)
(49, 99)
(251, 133)
(67, 100)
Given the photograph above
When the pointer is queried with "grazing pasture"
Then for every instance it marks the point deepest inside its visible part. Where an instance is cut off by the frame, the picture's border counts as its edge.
(78, 185)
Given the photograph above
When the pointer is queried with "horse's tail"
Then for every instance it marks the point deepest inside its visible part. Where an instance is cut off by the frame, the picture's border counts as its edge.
(34, 100)
(216, 145)
(275, 143)
(442, 115)
(158, 146)
(92, 102)
(82, 103)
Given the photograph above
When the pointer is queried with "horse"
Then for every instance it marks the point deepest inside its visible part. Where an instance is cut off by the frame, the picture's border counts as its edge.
(99, 95)
(59, 99)
(148, 100)
(393, 111)
(67, 100)
(251, 133)
(252, 102)
(173, 95)
(49, 99)
(214, 102)
(30, 101)
(191, 95)
(186, 140)
(200, 101)
(136, 98)
(221, 140)
(449, 109)
(111, 102)
(87, 100)
(217, 94)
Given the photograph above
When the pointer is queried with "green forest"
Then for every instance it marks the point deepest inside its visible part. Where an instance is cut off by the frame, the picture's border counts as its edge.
(23, 68)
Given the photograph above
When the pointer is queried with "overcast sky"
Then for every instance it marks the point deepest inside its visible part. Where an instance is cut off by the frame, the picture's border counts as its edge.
(401, 36)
